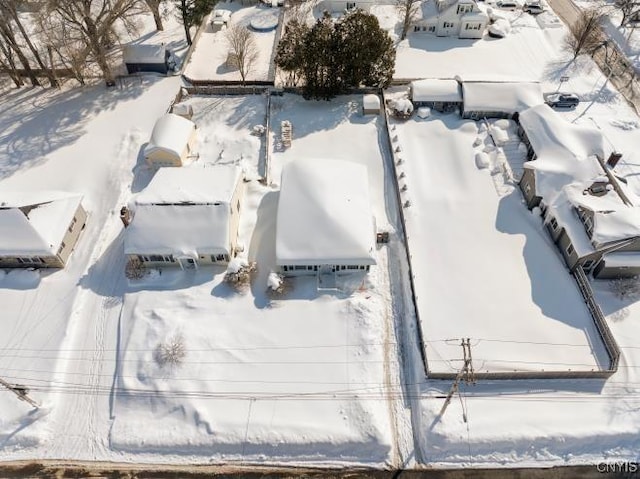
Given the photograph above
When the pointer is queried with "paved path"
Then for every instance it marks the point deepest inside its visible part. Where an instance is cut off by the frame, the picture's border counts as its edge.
(614, 64)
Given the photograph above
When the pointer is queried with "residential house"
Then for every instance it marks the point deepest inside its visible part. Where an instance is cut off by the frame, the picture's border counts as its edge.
(186, 217)
(172, 141)
(440, 95)
(39, 230)
(498, 99)
(445, 18)
(590, 213)
(325, 224)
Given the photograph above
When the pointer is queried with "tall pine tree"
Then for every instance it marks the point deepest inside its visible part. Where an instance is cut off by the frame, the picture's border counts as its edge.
(192, 12)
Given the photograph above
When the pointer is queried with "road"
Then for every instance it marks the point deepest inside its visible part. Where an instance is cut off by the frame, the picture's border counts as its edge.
(614, 64)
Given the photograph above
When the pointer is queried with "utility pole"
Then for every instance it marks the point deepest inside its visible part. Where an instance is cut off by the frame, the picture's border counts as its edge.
(21, 391)
(466, 373)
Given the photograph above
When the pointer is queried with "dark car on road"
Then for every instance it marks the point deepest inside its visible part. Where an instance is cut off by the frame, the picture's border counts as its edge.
(562, 100)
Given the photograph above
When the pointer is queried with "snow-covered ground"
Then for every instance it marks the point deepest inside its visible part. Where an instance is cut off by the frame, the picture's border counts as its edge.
(208, 60)
(470, 236)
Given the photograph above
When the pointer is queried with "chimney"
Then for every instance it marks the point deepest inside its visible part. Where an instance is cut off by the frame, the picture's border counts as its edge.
(613, 159)
(125, 216)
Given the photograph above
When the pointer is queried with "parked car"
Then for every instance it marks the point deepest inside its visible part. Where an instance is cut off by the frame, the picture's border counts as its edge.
(533, 8)
(506, 5)
(562, 100)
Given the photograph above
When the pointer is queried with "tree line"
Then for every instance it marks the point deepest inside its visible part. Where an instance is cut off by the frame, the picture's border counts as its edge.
(73, 34)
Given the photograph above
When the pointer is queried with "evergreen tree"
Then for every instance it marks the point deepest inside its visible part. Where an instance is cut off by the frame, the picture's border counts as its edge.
(319, 68)
(290, 52)
(366, 52)
(192, 12)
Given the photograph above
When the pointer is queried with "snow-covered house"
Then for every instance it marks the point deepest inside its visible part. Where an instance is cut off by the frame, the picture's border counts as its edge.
(441, 95)
(498, 99)
(39, 229)
(325, 222)
(172, 141)
(445, 18)
(146, 58)
(186, 217)
(589, 212)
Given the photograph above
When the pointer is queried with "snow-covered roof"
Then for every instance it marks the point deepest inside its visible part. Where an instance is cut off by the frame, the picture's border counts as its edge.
(180, 230)
(371, 102)
(507, 97)
(191, 184)
(324, 214)
(622, 259)
(184, 211)
(144, 53)
(171, 133)
(475, 17)
(32, 225)
(616, 225)
(435, 90)
(565, 152)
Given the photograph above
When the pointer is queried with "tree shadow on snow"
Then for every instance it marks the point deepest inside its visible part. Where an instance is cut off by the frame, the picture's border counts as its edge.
(36, 122)
(553, 289)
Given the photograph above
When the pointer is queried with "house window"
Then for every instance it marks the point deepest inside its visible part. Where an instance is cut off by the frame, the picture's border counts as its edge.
(310, 268)
(73, 223)
(447, 25)
(238, 206)
(432, 29)
(588, 224)
(218, 257)
(416, 28)
(587, 264)
(62, 247)
(285, 268)
(353, 266)
(298, 267)
(554, 223)
(315, 267)
(351, 5)
(570, 250)
(28, 260)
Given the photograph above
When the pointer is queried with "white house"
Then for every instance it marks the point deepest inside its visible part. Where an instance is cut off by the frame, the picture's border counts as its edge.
(186, 217)
(339, 6)
(445, 18)
(39, 229)
(498, 99)
(325, 223)
(172, 141)
(439, 94)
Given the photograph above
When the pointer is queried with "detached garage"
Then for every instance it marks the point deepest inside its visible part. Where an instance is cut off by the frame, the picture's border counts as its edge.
(172, 141)
(146, 58)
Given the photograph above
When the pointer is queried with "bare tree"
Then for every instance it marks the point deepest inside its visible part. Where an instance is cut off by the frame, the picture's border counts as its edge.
(243, 49)
(9, 40)
(585, 33)
(629, 9)
(7, 63)
(408, 11)
(93, 21)
(8, 9)
(154, 7)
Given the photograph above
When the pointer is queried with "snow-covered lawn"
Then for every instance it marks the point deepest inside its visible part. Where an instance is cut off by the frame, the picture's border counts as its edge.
(208, 60)
(483, 266)
(300, 378)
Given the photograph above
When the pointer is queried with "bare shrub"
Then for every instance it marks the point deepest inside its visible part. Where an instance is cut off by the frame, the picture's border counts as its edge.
(240, 273)
(626, 288)
(170, 352)
(278, 285)
(135, 269)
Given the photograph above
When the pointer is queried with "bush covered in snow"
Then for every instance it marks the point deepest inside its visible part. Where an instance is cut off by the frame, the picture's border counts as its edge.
(135, 269)
(277, 285)
(170, 352)
(401, 108)
(626, 288)
(239, 273)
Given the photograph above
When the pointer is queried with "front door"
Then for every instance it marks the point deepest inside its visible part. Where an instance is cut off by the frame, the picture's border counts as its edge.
(187, 263)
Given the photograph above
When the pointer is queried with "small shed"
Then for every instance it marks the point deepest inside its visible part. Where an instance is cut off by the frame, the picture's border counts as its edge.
(325, 224)
(172, 141)
(370, 104)
(146, 58)
(438, 94)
